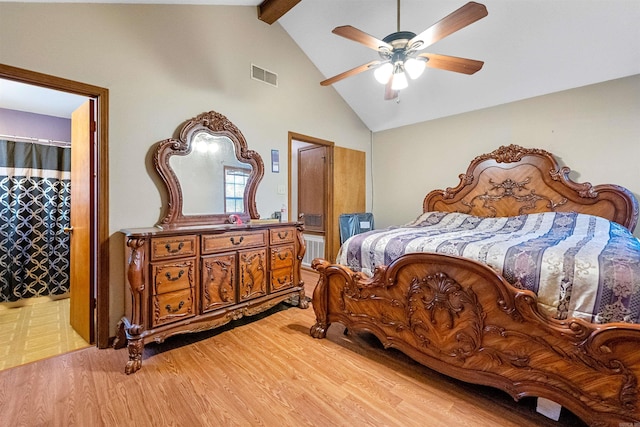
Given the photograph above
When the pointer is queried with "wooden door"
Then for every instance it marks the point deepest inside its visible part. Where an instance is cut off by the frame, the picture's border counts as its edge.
(347, 191)
(312, 184)
(82, 152)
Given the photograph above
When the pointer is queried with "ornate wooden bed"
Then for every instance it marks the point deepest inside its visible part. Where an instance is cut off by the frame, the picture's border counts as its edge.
(489, 331)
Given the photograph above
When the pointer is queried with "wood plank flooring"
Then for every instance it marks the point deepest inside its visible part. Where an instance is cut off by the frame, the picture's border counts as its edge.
(265, 372)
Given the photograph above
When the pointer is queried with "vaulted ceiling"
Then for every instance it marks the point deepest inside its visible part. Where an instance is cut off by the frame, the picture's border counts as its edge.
(529, 48)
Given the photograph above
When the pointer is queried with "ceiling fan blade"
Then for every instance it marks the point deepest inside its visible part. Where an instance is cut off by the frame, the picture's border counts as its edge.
(389, 93)
(352, 33)
(457, 20)
(452, 63)
(350, 73)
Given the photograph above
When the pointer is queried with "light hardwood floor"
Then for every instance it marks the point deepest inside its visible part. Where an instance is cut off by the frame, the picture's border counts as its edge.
(264, 372)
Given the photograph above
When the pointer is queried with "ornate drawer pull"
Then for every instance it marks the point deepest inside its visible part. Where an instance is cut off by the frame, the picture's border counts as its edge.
(170, 310)
(282, 237)
(233, 241)
(173, 279)
(282, 280)
(283, 255)
(173, 251)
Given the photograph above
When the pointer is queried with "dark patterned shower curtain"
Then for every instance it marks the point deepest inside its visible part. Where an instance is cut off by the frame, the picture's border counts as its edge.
(35, 201)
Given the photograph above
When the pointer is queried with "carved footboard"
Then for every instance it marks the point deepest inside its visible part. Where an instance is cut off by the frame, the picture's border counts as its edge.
(464, 320)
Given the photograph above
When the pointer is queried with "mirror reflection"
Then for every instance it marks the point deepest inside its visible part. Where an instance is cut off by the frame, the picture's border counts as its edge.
(211, 177)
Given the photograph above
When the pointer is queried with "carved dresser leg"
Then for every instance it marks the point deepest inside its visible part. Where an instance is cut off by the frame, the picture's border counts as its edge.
(302, 248)
(303, 302)
(135, 276)
(135, 347)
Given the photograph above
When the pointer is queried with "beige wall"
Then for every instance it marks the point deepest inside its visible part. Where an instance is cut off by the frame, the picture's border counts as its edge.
(163, 65)
(595, 130)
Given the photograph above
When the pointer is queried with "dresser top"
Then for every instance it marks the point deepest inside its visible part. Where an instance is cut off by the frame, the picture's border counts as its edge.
(212, 229)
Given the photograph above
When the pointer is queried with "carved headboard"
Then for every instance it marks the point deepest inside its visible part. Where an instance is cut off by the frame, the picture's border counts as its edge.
(513, 180)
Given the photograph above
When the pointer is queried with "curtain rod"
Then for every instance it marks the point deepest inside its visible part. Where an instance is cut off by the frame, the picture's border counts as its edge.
(65, 144)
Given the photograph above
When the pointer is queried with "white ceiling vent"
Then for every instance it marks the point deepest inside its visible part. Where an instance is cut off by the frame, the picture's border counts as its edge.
(258, 73)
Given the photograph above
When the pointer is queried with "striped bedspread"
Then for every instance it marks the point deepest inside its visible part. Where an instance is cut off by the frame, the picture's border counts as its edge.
(578, 265)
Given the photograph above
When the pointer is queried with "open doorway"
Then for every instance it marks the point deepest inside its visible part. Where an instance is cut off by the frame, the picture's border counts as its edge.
(309, 196)
(341, 172)
(92, 311)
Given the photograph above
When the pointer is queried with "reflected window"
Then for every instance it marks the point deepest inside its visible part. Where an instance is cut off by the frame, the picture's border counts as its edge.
(235, 181)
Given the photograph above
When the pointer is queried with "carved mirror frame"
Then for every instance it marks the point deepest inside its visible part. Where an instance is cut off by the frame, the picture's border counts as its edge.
(217, 125)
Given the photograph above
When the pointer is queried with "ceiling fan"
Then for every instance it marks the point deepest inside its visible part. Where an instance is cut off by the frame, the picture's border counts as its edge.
(399, 51)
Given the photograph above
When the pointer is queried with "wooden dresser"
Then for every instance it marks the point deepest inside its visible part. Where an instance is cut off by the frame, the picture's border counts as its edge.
(190, 280)
(209, 260)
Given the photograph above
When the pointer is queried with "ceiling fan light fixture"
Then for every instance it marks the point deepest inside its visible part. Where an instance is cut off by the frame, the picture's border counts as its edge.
(414, 67)
(399, 51)
(383, 73)
(399, 81)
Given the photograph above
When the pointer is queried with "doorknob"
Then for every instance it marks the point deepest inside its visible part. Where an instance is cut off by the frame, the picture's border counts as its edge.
(68, 230)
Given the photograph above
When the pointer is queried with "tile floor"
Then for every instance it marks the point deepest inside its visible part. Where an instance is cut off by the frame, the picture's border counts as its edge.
(36, 331)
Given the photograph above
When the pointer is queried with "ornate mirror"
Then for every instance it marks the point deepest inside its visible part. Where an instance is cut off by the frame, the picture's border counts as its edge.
(209, 172)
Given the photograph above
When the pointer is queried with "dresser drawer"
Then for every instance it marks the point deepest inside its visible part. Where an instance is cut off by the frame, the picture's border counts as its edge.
(282, 235)
(234, 240)
(172, 247)
(282, 256)
(173, 306)
(172, 276)
(281, 279)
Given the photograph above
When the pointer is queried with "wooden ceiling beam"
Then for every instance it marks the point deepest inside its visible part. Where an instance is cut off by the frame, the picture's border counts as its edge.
(270, 11)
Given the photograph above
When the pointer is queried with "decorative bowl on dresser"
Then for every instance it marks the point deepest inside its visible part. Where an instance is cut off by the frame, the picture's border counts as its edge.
(206, 263)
